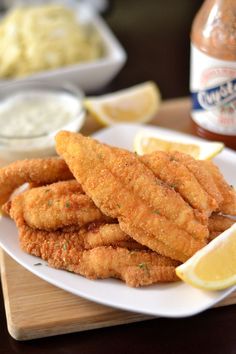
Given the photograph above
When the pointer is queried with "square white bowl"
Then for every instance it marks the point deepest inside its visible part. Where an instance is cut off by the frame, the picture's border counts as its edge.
(89, 76)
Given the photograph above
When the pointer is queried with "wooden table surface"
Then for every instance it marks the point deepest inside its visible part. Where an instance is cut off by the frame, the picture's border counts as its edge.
(155, 35)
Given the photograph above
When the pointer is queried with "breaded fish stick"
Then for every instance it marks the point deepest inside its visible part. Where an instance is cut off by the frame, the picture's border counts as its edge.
(181, 179)
(124, 188)
(65, 251)
(54, 206)
(44, 171)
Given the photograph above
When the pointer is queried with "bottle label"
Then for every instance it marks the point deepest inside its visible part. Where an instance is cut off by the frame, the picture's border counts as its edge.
(213, 89)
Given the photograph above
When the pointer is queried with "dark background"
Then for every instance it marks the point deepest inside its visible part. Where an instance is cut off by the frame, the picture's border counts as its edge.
(160, 31)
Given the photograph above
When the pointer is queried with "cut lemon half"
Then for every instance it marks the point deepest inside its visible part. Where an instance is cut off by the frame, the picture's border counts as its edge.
(135, 104)
(214, 266)
(146, 142)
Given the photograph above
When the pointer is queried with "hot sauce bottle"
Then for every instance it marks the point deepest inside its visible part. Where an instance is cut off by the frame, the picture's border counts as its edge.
(213, 71)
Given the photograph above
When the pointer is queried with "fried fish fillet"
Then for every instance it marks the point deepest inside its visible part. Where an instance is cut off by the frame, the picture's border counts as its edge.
(218, 223)
(136, 268)
(124, 188)
(96, 235)
(213, 234)
(181, 179)
(228, 205)
(83, 239)
(201, 173)
(54, 206)
(99, 259)
(42, 171)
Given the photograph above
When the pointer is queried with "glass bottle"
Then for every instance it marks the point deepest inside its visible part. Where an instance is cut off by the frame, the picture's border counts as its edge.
(213, 71)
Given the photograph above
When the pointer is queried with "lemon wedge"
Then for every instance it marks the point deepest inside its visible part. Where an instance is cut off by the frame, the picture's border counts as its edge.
(146, 142)
(214, 266)
(135, 104)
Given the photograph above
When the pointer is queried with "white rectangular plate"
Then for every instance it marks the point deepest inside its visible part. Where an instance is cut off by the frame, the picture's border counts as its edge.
(168, 300)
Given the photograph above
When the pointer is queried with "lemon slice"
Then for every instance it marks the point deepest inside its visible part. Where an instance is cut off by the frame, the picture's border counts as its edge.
(135, 104)
(145, 142)
(214, 266)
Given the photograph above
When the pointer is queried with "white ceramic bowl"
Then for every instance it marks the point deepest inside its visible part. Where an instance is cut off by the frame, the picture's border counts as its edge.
(93, 75)
(15, 147)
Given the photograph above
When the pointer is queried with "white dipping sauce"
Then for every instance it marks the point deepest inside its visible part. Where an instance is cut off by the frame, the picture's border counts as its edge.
(36, 113)
(29, 121)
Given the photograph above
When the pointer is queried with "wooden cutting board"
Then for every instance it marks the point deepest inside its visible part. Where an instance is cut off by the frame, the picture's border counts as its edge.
(36, 309)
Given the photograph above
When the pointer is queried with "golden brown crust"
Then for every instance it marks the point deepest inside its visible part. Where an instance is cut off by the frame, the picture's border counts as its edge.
(83, 239)
(43, 171)
(228, 205)
(220, 223)
(164, 201)
(181, 179)
(108, 257)
(200, 172)
(124, 188)
(54, 206)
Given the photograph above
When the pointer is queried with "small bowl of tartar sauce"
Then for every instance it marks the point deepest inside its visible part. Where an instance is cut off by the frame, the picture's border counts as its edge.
(31, 113)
